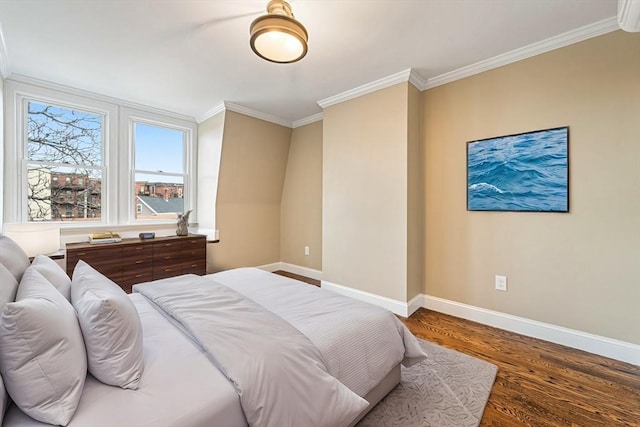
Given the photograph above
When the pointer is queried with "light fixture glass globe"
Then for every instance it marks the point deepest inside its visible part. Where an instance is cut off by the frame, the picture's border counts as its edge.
(279, 46)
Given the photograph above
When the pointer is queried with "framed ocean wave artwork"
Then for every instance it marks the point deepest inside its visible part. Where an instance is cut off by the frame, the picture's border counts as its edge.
(526, 172)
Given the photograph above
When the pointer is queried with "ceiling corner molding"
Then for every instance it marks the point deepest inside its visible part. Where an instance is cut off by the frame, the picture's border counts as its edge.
(629, 15)
(417, 80)
(574, 36)
(307, 120)
(382, 83)
(210, 113)
(4, 59)
(229, 106)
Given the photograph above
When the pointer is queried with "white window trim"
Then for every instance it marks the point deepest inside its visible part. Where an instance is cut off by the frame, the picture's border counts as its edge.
(118, 187)
(131, 116)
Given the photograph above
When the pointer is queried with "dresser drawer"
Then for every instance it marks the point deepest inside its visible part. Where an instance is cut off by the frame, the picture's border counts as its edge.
(197, 266)
(137, 252)
(136, 275)
(167, 251)
(106, 260)
(167, 270)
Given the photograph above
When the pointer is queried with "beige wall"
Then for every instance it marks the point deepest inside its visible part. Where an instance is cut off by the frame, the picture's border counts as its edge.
(415, 195)
(364, 214)
(581, 269)
(301, 214)
(252, 171)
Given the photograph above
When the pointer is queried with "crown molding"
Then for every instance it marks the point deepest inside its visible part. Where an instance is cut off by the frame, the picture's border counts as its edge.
(382, 83)
(417, 80)
(307, 120)
(629, 15)
(19, 78)
(229, 106)
(574, 36)
(211, 112)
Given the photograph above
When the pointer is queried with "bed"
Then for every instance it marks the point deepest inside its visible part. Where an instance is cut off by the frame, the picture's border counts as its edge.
(339, 355)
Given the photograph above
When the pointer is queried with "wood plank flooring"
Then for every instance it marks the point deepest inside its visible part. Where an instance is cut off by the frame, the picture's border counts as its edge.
(538, 383)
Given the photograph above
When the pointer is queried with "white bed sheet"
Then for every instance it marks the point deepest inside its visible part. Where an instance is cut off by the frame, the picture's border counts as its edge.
(179, 387)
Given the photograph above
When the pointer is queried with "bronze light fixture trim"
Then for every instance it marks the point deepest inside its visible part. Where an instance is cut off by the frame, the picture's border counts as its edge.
(278, 36)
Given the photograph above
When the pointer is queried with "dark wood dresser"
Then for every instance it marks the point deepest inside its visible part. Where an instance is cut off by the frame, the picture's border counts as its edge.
(134, 261)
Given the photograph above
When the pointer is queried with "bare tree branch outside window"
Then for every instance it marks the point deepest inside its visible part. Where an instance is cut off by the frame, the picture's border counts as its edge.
(64, 163)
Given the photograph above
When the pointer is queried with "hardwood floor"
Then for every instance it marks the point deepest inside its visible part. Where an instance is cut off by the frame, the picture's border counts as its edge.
(538, 383)
(298, 277)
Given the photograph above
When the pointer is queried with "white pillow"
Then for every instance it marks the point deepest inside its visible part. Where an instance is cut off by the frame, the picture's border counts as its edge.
(111, 328)
(43, 360)
(52, 271)
(13, 257)
(8, 286)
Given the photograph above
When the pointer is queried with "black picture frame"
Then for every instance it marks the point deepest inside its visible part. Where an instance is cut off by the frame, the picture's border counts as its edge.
(524, 172)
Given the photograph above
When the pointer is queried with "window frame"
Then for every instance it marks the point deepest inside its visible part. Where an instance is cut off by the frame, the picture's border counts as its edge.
(118, 180)
(26, 162)
(131, 116)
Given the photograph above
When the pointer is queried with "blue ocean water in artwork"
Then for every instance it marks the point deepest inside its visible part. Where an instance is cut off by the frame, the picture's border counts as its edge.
(527, 172)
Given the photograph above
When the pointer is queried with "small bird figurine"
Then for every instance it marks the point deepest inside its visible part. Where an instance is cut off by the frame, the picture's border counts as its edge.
(183, 222)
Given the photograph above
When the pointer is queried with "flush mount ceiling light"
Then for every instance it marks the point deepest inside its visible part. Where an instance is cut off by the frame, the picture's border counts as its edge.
(277, 36)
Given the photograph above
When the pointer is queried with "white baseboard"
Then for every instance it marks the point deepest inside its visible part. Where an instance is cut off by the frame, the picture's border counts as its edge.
(404, 309)
(603, 346)
(270, 267)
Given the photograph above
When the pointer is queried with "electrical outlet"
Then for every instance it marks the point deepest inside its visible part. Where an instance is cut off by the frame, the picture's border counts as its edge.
(501, 283)
(306, 250)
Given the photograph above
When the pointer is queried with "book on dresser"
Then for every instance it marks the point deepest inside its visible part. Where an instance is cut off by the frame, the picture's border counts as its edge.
(105, 237)
(131, 261)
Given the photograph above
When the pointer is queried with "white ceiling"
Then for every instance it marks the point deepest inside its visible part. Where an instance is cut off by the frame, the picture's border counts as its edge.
(189, 56)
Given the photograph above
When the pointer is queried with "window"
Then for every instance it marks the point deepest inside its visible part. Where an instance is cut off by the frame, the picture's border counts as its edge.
(83, 159)
(61, 141)
(159, 165)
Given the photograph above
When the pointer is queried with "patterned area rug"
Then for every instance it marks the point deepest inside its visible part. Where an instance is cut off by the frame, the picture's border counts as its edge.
(447, 389)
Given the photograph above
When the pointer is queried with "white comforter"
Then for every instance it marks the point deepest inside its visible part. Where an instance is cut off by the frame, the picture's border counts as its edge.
(278, 373)
(359, 342)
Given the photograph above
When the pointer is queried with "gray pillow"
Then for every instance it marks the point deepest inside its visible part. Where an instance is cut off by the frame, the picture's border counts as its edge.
(43, 360)
(8, 286)
(13, 257)
(111, 328)
(52, 271)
